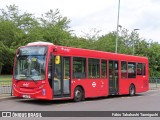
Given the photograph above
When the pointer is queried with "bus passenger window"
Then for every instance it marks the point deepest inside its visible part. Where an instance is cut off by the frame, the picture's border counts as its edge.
(66, 68)
(131, 70)
(57, 71)
(123, 69)
(57, 78)
(144, 69)
(103, 69)
(79, 67)
(93, 68)
(139, 68)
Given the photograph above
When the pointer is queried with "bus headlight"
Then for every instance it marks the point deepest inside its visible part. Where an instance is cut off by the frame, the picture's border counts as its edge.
(40, 87)
(15, 86)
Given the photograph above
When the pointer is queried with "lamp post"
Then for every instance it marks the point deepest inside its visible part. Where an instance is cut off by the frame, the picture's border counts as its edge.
(134, 39)
(117, 27)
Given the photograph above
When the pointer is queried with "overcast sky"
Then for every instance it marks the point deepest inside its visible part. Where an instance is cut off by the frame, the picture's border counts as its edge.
(100, 14)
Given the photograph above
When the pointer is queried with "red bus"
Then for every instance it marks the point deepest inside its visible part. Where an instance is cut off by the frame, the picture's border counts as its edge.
(43, 70)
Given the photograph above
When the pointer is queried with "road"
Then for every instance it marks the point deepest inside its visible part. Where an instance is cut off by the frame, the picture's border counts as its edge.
(149, 101)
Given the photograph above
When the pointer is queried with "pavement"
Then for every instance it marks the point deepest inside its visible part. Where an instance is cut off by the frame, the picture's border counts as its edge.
(5, 97)
(152, 86)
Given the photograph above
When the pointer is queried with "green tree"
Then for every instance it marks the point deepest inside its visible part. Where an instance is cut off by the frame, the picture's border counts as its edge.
(9, 33)
(18, 28)
(7, 55)
(22, 20)
(153, 54)
(106, 42)
(54, 27)
(14, 26)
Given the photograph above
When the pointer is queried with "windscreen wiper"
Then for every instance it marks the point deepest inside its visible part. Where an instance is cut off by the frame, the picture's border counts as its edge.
(28, 76)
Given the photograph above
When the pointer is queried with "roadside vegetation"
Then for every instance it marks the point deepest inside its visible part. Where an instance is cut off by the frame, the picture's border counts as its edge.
(18, 28)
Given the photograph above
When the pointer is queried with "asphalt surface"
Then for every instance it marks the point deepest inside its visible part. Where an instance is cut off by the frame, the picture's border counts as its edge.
(148, 101)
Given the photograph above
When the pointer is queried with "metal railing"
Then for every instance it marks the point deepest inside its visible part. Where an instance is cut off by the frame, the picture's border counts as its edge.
(5, 87)
(154, 82)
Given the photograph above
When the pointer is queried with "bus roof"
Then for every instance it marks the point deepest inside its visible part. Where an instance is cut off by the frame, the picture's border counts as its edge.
(97, 54)
(80, 52)
(40, 43)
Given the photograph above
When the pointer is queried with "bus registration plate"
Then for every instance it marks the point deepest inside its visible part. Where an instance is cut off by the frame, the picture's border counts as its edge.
(26, 96)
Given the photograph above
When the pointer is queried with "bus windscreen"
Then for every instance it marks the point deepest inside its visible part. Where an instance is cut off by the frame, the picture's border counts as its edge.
(30, 63)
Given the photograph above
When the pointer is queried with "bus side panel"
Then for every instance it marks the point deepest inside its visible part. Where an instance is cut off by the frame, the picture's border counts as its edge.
(143, 81)
(142, 84)
(124, 86)
(105, 86)
(92, 88)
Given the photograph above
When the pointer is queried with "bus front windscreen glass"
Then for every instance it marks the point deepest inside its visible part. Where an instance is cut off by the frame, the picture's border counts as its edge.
(30, 63)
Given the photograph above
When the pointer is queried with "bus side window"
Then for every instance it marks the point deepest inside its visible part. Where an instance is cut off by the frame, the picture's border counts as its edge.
(93, 68)
(50, 64)
(57, 71)
(139, 68)
(79, 67)
(66, 68)
(131, 70)
(144, 69)
(104, 69)
(123, 69)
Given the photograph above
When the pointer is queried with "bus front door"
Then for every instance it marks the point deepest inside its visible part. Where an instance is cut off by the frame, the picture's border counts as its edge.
(61, 73)
(113, 78)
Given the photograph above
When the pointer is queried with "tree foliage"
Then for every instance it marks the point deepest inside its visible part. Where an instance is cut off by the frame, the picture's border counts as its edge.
(18, 28)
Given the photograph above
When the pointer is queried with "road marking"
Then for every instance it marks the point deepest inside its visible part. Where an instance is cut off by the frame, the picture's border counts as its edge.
(155, 94)
(131, 97)
(125, 97)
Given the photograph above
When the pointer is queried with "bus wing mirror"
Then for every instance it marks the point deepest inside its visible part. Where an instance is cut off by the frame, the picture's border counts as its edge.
(57, 60)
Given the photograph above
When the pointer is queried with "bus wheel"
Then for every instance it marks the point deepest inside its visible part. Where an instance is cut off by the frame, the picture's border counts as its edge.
(132, 90)
(78, 94)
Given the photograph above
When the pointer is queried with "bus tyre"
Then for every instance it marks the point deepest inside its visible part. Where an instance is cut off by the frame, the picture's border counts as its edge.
(78, 94)
(132, 90)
